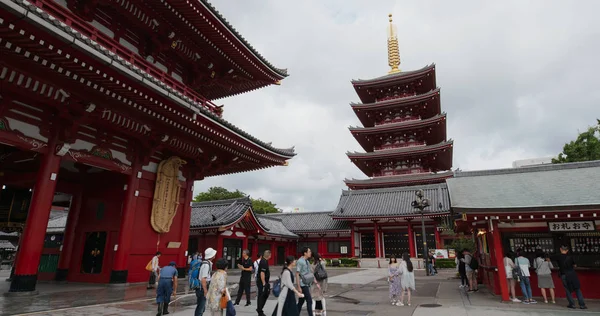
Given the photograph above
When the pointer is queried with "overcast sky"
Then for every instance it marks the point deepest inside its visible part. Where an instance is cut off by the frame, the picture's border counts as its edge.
(518, 79)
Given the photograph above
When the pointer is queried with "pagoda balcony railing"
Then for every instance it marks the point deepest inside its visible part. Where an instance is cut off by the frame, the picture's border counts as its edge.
(398, 120)
(64, 15)
(400, 145)
(399, 172)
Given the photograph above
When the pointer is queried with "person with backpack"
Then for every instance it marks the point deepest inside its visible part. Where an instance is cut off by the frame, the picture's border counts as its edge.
(305, 279)
(471, 266)
(245, 265)
(319, 288)
(286, 301)
(204, 276)
(522, 265)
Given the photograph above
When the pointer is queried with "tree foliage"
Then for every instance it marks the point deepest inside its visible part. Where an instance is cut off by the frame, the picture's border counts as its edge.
(463, 242)
(218, 193)
(260, 206)
(585, 148)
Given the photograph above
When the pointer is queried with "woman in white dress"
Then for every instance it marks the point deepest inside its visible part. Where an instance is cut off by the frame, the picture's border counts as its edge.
(408, 278)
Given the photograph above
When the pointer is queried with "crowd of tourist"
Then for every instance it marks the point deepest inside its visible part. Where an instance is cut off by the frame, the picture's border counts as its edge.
(304, 280)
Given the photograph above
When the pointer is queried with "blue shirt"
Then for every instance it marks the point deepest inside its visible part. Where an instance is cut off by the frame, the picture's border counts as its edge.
(168, 272)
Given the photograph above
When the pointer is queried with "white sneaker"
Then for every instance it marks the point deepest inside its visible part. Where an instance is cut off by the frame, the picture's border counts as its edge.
(408, 304)
(516, 300)
(400, 304)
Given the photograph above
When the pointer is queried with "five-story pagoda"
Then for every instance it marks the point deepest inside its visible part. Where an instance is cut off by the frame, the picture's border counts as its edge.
(404, 133)
(404, 136)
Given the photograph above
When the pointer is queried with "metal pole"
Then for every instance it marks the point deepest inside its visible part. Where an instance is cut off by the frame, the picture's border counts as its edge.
(425, 253)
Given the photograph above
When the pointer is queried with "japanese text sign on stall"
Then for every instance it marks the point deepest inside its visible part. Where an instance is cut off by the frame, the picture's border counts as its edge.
(571, 226)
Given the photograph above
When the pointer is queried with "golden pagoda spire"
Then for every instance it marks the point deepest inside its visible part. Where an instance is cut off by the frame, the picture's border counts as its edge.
(393, 50)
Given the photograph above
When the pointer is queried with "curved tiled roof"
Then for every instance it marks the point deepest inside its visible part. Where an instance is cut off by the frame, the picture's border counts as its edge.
(213, 10)
(286, 152)
(391, 202)
(275, 226)
(57, 224)
(400, 126)
(218, 213)
(400, 179)
(403, 150)
(398, 101)
(311, 222)
(394, 76)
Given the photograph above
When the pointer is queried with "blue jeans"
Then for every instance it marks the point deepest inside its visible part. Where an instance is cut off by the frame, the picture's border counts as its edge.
(526, 287)
(430, 267)
(570, 295)
(200, 302)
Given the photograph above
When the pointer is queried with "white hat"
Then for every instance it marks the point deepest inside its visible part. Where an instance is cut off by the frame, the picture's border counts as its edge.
(209, 253)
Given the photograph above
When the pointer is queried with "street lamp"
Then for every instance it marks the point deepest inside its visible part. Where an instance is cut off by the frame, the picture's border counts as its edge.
(421, 203)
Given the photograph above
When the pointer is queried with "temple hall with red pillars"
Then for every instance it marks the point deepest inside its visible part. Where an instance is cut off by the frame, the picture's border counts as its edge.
(536, 209)
(109, 103)
(406, 149)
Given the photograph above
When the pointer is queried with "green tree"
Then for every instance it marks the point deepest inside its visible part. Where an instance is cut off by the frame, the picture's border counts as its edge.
(218, 193)
(585, 148)
(463, 242)
(260, 206)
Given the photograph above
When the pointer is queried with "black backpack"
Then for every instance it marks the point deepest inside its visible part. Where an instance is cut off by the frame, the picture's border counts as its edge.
(320, 273)
(474, 265)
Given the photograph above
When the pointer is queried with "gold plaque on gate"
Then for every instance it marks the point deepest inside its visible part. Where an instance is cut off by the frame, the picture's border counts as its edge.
(166, 194)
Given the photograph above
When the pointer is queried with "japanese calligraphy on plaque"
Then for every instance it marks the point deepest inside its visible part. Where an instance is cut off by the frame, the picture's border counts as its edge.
(571, 226)
(166, 194)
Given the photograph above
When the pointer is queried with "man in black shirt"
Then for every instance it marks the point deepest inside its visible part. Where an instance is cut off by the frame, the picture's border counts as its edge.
(245, 265)
(262, 282)
(566, 271)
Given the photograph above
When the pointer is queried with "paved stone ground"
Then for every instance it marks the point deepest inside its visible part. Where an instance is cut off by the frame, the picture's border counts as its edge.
(352, 292)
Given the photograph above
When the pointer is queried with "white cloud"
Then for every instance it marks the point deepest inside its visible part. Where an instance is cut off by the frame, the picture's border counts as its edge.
(518, 80)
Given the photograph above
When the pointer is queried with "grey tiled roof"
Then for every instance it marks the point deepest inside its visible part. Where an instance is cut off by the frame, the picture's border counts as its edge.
(404, 100)
(57, 224)
(391, 202)
(311, 222)
(5, 244)
(402, 178)
(218, 213)
(403, 150)
(275, 227)
(555, 185)
(397, 126)
(394, 76)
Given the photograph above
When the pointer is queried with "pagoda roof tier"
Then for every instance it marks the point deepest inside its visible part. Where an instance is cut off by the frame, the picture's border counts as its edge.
(430, 100)
(391, 203)
(439, 156)
(365, 88)
(398, 180)
(128, 92)
(192, 36)
(434, 130)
